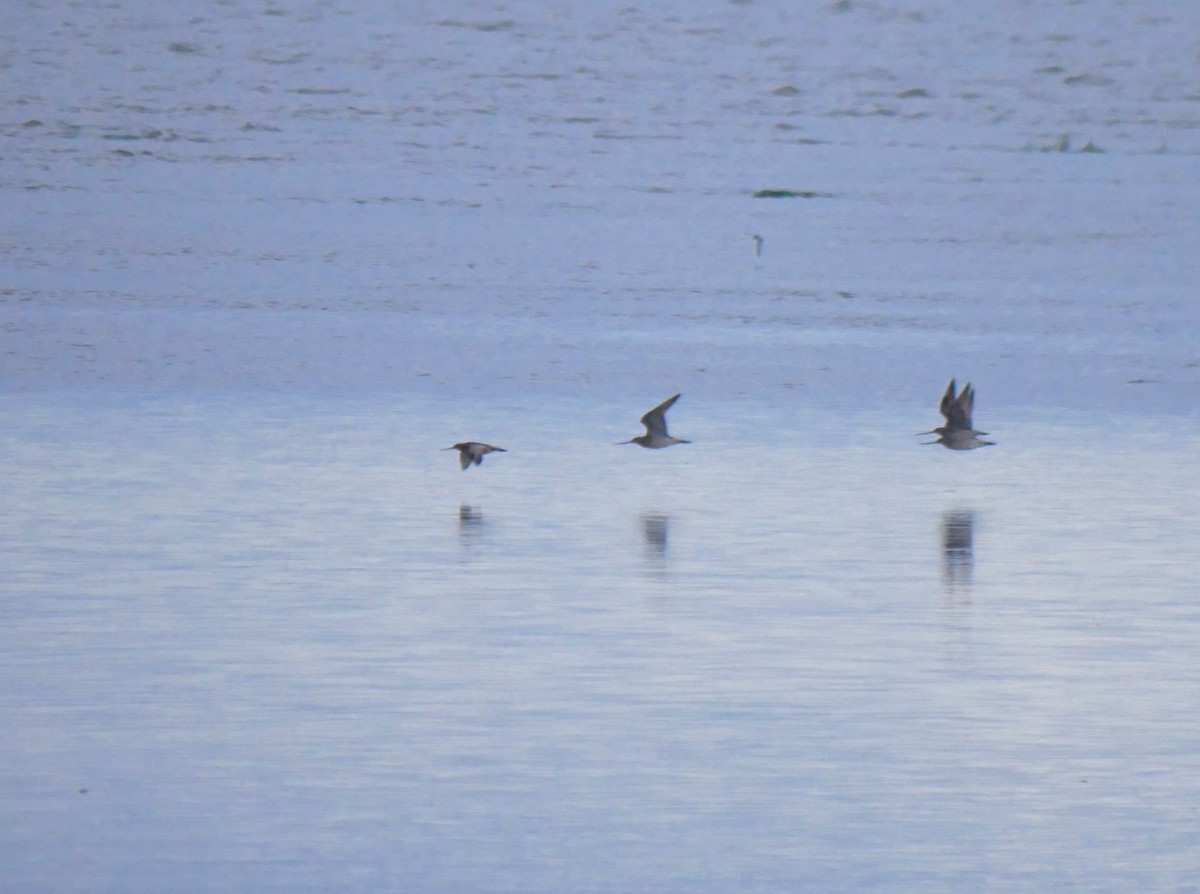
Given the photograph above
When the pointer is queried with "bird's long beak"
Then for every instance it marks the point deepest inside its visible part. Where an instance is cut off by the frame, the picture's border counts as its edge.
(619, 443)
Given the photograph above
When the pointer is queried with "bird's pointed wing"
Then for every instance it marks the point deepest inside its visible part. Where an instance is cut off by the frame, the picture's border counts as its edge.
(957, 410)
(464, 458)
(966, 405)
(946, 407)
(655, 420)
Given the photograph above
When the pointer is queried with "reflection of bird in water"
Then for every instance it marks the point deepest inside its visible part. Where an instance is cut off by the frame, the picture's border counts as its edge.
(957, 433)
(654, 530)
(958, 548)
(470, 523)
(473, 452)
(656, 428)
(758, 244)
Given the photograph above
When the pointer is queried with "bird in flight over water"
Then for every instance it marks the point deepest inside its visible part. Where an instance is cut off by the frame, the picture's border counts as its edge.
(958, 432)
(656, 428)
(473, 452)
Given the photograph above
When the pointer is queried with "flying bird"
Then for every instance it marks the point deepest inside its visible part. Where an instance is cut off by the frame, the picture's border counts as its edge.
(958, 433)
(473, 452)
(656, 428)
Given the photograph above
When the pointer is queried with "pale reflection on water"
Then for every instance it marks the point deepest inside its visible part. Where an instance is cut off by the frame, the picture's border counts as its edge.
(958, 550)
(275, 656)
(656, 529)
(958, 567)
(471, 523)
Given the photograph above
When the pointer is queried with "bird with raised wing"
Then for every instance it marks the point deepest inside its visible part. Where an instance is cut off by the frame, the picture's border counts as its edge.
(958, 433)
(473, 452)
(656, 428)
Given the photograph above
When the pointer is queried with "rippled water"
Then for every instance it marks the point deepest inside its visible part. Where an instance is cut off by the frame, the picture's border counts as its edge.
(282, 644)
(259, 633)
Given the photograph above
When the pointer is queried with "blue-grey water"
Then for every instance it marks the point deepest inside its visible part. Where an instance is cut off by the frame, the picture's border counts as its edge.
(258, 632)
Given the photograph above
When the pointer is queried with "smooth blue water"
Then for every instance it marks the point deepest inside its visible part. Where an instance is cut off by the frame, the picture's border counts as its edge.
(260, 265)
(280, 644)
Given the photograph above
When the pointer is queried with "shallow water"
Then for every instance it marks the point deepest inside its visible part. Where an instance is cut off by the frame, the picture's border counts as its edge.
(279, 644)
(261, 264)
(452, 201)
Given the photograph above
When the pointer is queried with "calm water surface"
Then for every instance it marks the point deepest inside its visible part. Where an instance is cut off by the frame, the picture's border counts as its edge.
(260, 263)
(283, 644)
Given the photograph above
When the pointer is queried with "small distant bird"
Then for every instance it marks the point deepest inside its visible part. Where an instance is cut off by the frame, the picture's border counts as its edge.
(656, 428)
(958, 433)
(473, 452)
(758, 242)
